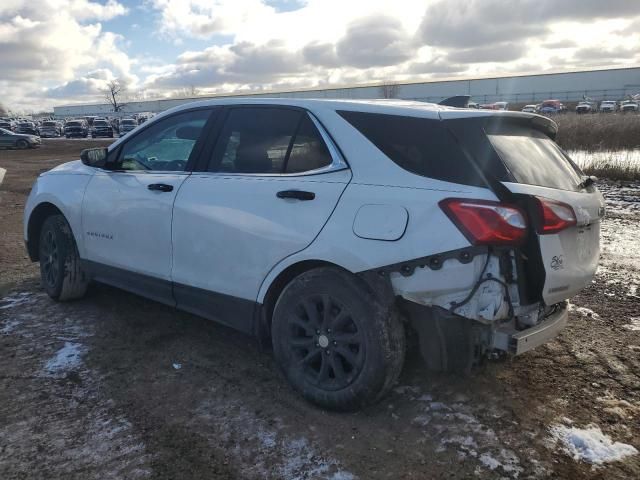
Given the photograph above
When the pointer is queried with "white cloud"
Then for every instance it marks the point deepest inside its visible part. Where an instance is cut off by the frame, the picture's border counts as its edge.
(279, 44)
(44, 43)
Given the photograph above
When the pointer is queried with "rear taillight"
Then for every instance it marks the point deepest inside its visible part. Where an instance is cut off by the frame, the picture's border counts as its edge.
(484, 222)
(554, 216)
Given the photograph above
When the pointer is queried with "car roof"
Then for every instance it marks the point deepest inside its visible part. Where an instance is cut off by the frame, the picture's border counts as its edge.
(384, 106)
(381, 106)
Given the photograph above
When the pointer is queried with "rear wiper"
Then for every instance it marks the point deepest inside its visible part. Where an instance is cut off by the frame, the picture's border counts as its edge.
(587, 182)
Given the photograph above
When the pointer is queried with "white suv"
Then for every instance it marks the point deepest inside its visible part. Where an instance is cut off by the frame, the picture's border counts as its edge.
(332, 230)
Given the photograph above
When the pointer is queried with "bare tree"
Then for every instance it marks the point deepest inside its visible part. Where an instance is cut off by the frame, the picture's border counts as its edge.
(389, 89)
(113, 94)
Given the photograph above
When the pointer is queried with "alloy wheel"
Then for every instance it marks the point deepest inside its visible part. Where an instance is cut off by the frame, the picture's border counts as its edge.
(325, 342)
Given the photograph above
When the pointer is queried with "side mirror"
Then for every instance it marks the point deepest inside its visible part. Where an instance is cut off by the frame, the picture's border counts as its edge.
(94, 157)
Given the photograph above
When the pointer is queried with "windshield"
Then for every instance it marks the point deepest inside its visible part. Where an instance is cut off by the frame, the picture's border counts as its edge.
(98, 123)
(128, 122)
(535, 159)
(5, 132)
(73, 124)
(48, 124)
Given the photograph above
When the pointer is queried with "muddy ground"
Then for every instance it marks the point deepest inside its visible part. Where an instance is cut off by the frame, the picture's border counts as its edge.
(115, 386)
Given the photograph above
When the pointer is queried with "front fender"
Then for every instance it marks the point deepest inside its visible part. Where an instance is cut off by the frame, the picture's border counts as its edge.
(64, 192)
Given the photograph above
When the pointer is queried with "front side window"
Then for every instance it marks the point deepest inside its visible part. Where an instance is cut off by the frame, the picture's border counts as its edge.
(269, 141)
(166, 145)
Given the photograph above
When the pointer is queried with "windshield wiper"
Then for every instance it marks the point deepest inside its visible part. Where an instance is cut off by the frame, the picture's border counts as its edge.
(587, 182)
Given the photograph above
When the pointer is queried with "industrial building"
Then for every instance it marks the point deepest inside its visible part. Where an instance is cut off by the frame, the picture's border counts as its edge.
(603, 84)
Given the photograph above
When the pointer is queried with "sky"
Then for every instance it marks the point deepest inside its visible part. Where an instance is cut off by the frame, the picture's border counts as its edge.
(55, 52)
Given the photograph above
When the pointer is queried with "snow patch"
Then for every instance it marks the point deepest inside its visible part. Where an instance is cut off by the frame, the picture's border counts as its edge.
(634, 326)
(177, 366)
(584, 311)
(66, 358)
(273, 453)
(9, 326)
(15, 300)
(590, 444)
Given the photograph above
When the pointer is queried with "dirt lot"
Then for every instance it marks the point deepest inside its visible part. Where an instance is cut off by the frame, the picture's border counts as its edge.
(115, 386)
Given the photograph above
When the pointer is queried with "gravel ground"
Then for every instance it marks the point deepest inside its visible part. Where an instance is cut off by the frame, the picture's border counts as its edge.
(115, 386)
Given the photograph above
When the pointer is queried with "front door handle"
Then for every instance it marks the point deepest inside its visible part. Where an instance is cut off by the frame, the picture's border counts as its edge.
(160, 187)
(297, 194)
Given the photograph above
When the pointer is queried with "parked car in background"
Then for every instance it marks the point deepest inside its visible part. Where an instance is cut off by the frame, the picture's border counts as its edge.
(126, 125)
(488, 106)
(9, 139)
(584, 107)
(101, 128)
(550, 107)
(333, 230)
(629, 106)
(51, 128)
(89, 120)
(501, 105)
(608, 106)
(7, 125)
(76, 128)
(473, 105)
(27, 128)
(529, 109)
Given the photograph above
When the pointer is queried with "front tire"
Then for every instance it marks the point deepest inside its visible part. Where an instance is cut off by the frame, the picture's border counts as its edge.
(22, 144)
(335, 342)
(60, 267)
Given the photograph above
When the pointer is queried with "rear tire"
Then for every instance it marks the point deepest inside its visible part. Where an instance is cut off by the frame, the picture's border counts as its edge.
(336, 343)
(60, 267)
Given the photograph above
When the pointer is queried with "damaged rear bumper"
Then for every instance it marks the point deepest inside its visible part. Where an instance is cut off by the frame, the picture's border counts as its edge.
(508, 339)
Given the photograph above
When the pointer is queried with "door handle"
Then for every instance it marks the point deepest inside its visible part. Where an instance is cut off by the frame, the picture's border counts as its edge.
(160, 187)
(297, 194)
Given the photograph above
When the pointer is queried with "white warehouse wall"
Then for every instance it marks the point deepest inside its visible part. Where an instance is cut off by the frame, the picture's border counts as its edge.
(566, 86)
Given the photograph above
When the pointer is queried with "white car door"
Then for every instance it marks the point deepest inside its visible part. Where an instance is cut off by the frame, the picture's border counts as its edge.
(273, 179)
(126, 214)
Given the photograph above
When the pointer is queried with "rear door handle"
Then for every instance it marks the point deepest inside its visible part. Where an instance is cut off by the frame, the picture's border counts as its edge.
(160, 187)
(297, 194)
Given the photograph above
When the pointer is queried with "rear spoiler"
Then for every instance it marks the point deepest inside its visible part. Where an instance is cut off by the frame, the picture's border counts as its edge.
(458, 101)
(532, 120)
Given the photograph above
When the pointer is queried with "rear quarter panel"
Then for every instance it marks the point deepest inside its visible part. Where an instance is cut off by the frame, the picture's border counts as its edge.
(428, 231)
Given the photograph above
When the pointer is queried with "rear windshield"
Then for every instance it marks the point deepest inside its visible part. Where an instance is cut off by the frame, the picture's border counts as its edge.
(420, 145)
(100, 123)
(128, 122)
(533, 158)
(48, 124)
(73, 124)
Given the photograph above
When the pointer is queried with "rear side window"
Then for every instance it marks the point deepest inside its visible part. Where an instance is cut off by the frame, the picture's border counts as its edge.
(269, 141)
(308, 152)
(422, 146)
(255, 140)
(533, 158)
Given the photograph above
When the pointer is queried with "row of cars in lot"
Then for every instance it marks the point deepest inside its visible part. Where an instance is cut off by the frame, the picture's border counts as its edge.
(585, 106)
(25, 133)
(553, 106)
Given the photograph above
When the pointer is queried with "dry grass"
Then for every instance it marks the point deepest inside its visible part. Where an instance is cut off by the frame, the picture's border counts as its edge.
(614, 170)
(614, 165)
(598, 132)
(607, 144)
